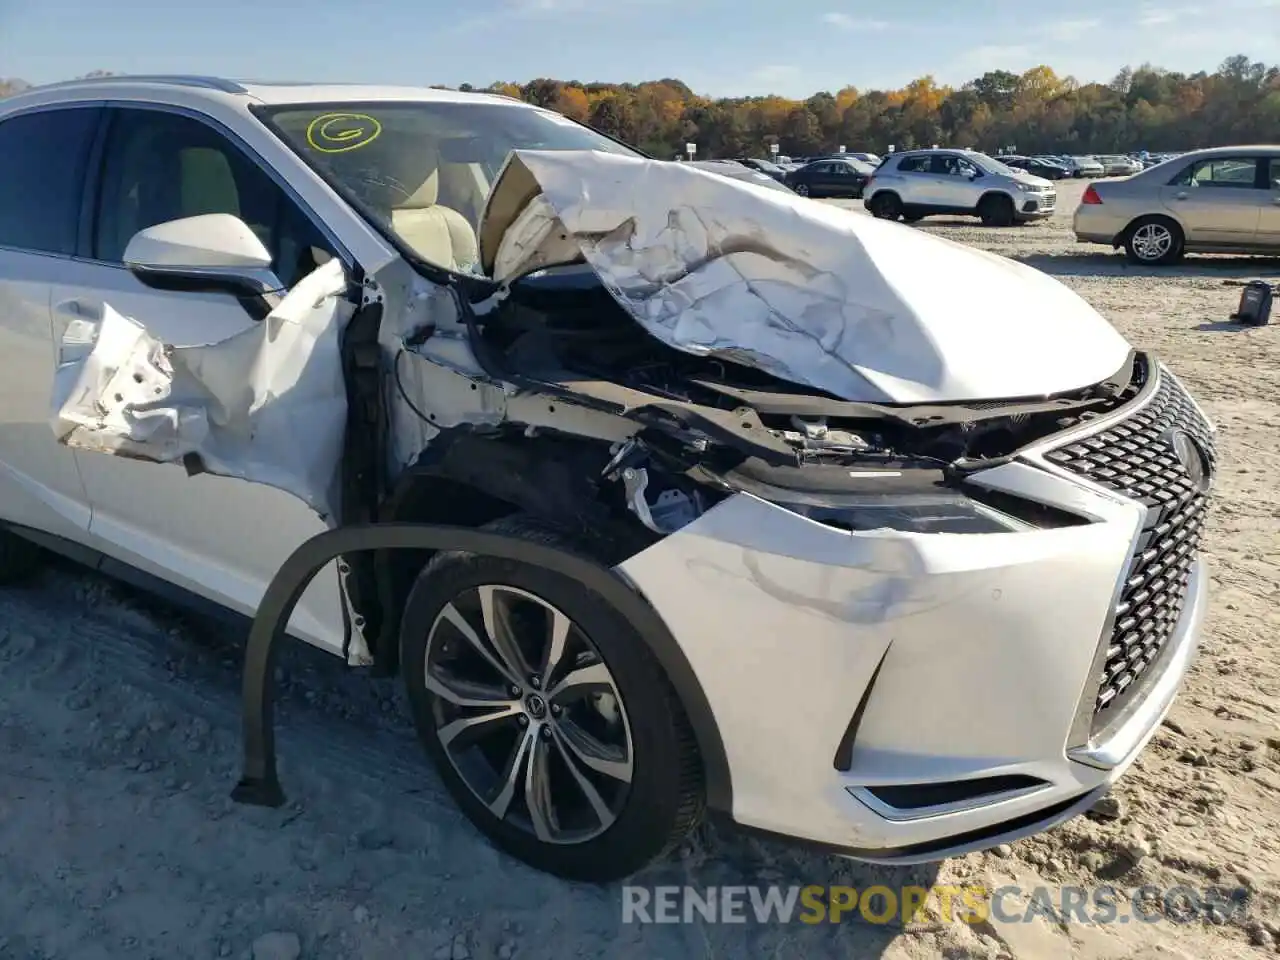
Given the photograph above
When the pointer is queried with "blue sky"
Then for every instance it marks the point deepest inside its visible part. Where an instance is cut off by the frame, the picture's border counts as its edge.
(718, 47)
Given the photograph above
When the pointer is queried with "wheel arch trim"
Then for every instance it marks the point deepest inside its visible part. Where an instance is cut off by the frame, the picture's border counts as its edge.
(259, 784)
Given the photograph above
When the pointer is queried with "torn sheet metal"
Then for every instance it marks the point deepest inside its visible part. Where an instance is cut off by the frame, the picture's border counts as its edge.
(820, 296)
(266, 405)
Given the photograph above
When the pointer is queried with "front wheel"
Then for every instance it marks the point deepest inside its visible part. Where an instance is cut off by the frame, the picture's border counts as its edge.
(801, 189)
(550, 722)
(1154, 241)
(885, 206)
(996, 210)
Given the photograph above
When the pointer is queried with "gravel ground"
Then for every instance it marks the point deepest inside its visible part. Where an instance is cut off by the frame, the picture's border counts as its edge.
(119, 744)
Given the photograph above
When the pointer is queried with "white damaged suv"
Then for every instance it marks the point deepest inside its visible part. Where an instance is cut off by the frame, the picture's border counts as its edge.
(917, 528)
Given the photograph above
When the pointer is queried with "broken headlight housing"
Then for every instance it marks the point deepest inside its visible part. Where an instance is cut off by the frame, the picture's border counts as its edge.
(941, 512)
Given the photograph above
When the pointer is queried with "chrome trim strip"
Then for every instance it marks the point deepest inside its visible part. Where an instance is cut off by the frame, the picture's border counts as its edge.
(261, 279)
(1036, 451)
(899, 815)
(1127, 734)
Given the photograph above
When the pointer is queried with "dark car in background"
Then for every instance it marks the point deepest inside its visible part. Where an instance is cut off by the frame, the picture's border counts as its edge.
(1037, 166)
(767, 167)
(832, 177)
(739, 171)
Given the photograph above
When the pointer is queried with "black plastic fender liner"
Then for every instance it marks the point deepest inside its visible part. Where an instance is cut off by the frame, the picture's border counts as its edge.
(259, 782)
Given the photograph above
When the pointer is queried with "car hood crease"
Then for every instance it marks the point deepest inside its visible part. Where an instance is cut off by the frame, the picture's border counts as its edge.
(811, 293)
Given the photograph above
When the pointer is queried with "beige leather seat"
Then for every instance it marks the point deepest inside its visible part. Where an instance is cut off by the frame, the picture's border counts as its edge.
(438, 234)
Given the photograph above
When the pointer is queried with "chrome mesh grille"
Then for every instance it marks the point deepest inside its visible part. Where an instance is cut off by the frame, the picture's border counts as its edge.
(1136, 458)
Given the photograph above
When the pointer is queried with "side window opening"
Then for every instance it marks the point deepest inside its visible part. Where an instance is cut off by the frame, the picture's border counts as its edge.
(1229, 172)
(42, 170)
(161, 166)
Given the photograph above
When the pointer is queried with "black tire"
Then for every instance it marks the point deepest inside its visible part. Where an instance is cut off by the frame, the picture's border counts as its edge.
(665, 798)
(996, 210)
(885, 206)
(1154, 241)
(18, 557)
(801, 189)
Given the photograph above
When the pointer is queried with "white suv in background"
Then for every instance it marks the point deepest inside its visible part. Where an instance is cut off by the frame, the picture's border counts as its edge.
(782, 491)
(922, 183)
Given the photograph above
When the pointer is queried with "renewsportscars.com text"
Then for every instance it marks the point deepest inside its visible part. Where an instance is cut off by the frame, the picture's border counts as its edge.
(881, 904)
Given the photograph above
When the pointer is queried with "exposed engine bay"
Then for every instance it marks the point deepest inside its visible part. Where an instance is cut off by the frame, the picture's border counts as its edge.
(707, 426)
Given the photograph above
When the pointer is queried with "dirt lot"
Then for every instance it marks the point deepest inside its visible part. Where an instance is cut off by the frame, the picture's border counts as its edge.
(119, 744)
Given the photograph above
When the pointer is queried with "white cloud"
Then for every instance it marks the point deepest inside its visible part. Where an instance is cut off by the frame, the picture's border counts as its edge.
(845, 21)
(1159, 16)
(775, 73)
(996, 56)
(1065, 31)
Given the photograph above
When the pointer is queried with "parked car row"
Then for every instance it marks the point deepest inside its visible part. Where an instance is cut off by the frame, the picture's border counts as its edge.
(1046, 166)
(1050, 168)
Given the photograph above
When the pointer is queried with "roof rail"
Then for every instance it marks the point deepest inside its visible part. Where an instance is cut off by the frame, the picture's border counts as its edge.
(177, 80)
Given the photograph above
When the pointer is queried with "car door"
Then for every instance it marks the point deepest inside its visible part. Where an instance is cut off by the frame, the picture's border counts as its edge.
(953, 186)
(43, 157)
(819, 178)
(838, 179)
(923, 185)
(844, 179)
(1269, 215)
(220, 537)
(1219, 200)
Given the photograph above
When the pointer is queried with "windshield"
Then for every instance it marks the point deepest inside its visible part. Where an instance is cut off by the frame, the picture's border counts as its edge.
(991, 165)
(422, 170)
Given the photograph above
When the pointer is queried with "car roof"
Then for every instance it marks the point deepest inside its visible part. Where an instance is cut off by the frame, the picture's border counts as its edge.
(265, 92)
(1267, 149)
(922, 152)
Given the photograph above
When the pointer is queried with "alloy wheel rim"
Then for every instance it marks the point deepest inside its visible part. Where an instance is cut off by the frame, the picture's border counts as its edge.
(528, 714)
(1151, 241)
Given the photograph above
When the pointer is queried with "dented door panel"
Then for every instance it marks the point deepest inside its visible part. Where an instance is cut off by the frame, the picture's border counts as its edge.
(237, 401)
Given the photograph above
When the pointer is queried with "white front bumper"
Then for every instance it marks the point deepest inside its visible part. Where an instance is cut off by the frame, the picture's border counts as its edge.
(975, 655)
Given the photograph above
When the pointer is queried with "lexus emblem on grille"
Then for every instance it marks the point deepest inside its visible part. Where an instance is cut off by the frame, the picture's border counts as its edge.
(1192, 457)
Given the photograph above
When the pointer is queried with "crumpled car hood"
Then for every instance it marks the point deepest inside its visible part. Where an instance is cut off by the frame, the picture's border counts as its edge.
(823, 297)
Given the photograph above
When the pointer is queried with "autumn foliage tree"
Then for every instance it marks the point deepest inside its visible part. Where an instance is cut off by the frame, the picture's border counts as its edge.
(1040, 111)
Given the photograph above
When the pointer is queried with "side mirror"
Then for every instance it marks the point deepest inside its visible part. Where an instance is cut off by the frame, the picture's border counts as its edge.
(215, 251)
(972, 174)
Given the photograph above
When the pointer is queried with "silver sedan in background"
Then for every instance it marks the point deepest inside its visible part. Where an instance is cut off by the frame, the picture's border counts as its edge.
(1225, 200)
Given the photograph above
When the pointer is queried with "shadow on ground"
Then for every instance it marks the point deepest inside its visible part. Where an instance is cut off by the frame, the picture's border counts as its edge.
(1115, 265)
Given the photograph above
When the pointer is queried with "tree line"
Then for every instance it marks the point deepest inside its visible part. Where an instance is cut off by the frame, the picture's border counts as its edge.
(1037, 111)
